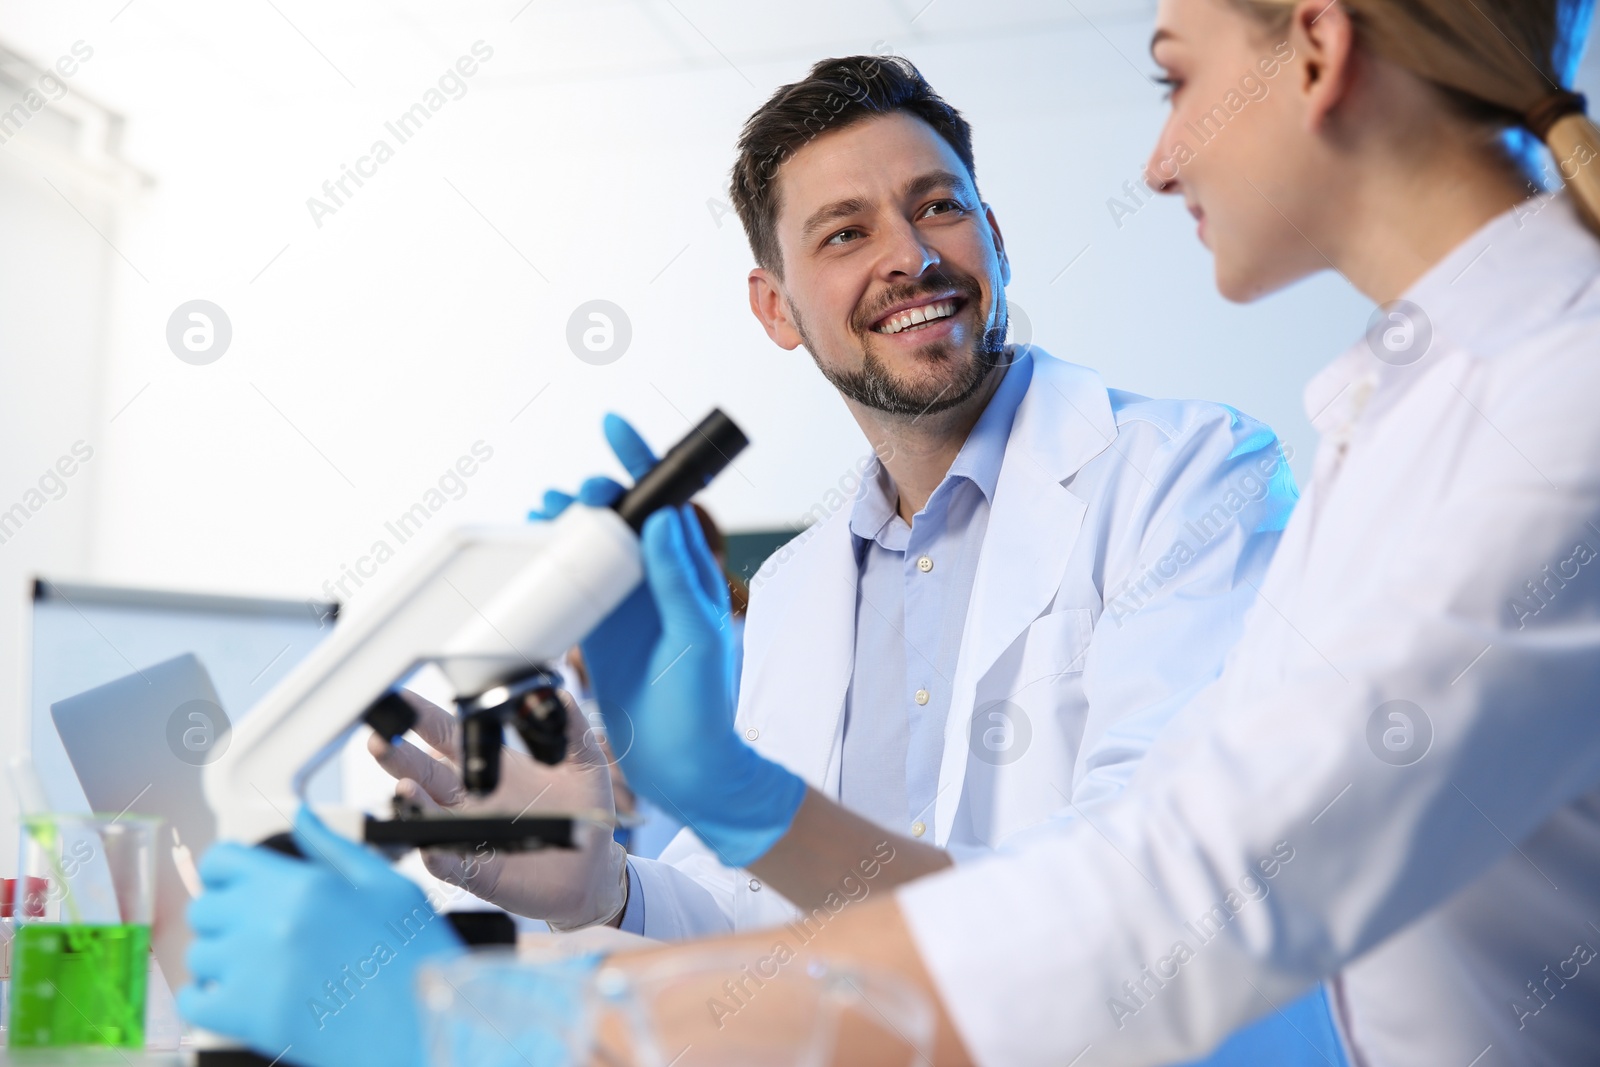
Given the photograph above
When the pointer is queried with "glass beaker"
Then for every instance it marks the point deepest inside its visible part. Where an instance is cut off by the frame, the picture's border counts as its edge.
(80, 955)
(8, 929)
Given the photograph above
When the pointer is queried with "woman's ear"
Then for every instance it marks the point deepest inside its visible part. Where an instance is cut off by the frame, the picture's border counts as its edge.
(1323, 36)
(770, 305)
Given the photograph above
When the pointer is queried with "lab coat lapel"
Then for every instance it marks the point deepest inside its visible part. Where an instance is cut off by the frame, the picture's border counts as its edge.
(1064, 421)
(796, 695)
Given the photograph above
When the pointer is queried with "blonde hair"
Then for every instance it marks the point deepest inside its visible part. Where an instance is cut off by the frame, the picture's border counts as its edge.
(1508, 60)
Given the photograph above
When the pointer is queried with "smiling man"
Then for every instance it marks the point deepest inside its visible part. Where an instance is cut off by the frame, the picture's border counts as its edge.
(1035, 571)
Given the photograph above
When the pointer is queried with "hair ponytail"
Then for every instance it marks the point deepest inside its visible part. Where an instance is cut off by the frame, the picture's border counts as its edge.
(1506, 60)
(1574, 143)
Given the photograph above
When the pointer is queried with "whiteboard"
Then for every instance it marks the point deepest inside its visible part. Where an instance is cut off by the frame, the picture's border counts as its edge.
(87, 635)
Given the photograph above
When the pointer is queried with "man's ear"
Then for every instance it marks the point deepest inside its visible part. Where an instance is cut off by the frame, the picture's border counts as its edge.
(1323, 37)
(999, 245)
(769, 304)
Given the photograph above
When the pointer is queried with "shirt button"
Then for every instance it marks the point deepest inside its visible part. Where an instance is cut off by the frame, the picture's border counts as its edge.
(755, 885)
(922, 696)
(751, 734)
(918, 828)
(924, 564)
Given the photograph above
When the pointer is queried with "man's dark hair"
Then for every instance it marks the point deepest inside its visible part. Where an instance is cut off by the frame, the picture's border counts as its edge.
(837, 93)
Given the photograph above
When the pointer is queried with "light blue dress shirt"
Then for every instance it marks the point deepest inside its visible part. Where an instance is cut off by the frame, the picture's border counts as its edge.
(911, 603)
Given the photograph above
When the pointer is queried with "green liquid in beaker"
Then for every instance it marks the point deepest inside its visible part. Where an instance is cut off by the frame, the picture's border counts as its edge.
(78, 984)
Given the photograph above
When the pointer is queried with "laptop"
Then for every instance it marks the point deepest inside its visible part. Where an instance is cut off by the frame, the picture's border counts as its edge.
(139, 745)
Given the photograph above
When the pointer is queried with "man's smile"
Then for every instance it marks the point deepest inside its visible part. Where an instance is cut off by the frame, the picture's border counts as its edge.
(916, 316)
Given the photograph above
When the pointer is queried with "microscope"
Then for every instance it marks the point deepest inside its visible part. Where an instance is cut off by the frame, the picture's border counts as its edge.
(493, 608)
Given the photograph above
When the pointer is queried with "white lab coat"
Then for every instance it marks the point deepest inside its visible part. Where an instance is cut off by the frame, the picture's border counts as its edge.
(1447, 555)
(1096, 492)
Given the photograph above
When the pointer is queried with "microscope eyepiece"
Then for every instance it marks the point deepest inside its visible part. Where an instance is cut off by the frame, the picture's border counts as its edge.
(686, 469)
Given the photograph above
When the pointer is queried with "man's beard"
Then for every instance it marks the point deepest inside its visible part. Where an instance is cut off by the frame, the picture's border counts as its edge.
(875, 386)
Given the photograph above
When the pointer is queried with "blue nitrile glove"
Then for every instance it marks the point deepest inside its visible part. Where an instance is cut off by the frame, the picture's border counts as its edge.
(314, 960)
(661, 669)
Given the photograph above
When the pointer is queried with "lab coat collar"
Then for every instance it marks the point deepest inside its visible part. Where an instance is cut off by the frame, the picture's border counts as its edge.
(1514, 275)
(1064, 421)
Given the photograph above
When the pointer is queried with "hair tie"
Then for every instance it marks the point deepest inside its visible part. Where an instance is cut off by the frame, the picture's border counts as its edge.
(1552, 109)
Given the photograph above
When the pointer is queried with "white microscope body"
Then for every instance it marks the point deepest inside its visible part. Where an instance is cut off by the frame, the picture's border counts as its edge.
(485, 605)
(492, 608)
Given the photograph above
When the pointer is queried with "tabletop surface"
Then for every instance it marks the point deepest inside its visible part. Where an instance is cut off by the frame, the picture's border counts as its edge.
(82, 1057)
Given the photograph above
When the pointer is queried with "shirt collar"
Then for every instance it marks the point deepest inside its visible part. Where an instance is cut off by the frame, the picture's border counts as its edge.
(979, 461)
(1516, 273)
(875, 508)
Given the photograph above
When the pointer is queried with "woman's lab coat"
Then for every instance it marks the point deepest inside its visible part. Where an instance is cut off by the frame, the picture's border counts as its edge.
(1397, 773)
(1123, 545)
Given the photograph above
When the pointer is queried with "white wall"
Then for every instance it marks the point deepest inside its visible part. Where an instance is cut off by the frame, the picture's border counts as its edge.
(586, 160)
(378, 348)
(59, 191)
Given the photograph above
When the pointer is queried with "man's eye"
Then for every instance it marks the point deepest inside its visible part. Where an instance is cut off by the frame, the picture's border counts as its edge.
(942, 207)
(843, 237)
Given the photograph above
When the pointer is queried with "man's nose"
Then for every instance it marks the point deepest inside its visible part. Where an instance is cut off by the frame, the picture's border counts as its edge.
(908, 255)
